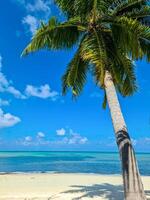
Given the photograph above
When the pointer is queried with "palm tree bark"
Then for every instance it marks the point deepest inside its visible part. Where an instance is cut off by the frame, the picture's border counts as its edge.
(133, 187)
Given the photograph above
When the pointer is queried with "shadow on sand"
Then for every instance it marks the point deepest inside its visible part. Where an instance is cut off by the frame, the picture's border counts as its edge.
(109, 191)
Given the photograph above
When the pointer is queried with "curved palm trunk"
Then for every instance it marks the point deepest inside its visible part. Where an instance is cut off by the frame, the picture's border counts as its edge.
(133, 187)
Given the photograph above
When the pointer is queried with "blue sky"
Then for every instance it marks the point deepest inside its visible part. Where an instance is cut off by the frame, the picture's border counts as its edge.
(33, 113)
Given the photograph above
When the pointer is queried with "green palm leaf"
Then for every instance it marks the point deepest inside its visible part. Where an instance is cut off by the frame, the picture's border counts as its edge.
(75, 75)
(127, 33)
(109, 35)
(121, 7)
(55, 35)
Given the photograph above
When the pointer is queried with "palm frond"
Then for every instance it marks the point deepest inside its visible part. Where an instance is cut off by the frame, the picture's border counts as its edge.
(106, 32)
(140, 14)
(66, 6)
(124, 76)
(93, 50)
(145, 47)
(85, 9)
(120, 7)
(127, 32)
(75, 75)
(55, 35)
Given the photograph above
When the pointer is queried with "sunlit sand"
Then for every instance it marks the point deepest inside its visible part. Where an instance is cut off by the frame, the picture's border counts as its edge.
(63, 186)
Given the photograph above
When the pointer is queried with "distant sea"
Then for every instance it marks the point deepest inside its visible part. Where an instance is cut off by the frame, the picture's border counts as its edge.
(67, 162)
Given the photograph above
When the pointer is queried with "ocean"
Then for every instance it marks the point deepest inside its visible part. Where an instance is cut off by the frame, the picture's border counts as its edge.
(67, 162)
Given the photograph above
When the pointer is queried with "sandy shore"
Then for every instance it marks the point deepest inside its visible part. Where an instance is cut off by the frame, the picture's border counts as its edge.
(63, 187)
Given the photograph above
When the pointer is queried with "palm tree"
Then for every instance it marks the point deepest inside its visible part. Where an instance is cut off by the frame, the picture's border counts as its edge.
(108, 36)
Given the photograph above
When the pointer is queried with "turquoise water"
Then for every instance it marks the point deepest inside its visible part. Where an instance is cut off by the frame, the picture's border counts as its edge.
(67, 162)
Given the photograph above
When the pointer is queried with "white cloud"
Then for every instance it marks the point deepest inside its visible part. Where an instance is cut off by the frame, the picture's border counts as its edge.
(33, 141)
(35, 5)
(8, 120)
(6, 85)
(70, 138)
(61, 132)
(76, 138)
(31, 22)
(28, 138)
(40, 135)
(83, 140)
(36, 11)
(3, 81)
(39, 5)
(44, 91)
(15, 92)
(4, 102)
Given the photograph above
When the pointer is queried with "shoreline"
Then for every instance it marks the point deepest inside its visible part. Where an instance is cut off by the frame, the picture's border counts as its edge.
(69, 173)
(66, 173)
(63, 186)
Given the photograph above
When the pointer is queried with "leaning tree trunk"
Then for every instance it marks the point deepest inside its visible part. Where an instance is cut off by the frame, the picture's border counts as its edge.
(133, 187)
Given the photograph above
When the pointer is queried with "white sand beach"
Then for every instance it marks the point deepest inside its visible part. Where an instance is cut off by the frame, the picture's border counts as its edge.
(63, 187)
